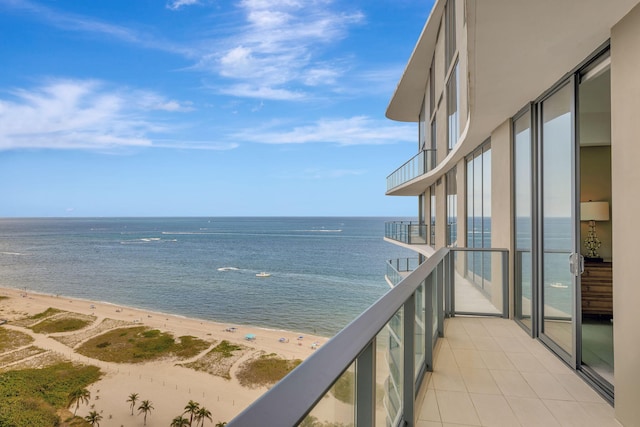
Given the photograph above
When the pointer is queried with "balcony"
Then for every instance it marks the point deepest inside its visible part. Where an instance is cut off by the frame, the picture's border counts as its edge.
(419, 164)
(409, 232)
(408, 360)
(398, 269)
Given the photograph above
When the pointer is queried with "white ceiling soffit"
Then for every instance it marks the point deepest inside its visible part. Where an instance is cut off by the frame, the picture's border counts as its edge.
(405, 103)
(517, 49)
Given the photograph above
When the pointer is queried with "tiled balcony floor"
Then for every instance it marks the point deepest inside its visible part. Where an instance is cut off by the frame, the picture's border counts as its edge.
(489, 372)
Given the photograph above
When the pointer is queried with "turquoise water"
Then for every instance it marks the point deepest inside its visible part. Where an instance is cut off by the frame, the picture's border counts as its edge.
(324, 271)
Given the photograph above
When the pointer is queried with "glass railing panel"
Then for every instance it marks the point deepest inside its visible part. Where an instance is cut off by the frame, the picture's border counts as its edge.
(389, 372)
(337, 407)
(393, 275)
(412, 233)
(479, 281)
(326, 389)
(433, 309)
(522, 286)
(419, 333)
(419, 164)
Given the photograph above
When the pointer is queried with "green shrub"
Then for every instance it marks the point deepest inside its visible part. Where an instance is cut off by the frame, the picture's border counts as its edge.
(31, 397)
(50, 326)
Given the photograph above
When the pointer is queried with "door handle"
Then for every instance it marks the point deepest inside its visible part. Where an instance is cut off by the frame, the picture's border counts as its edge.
(576, 264)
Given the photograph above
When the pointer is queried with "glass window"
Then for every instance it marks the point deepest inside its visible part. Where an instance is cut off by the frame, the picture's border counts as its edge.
(450, 28)
(432, 237)
(422, 137)
(479, 216)
(432, 87)
(453, 100)
(522, 224)
(452, 208)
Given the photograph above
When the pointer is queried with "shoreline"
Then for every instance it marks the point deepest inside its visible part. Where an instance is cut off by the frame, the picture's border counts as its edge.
(223, 397)
(4, 288)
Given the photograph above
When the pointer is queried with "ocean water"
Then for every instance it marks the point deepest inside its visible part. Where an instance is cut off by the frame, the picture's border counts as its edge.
(324, 271)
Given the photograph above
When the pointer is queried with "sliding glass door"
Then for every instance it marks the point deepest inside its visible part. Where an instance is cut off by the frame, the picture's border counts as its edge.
(558, 261)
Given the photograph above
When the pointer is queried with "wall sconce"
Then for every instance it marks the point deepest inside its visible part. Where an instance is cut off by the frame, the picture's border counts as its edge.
(592, 212)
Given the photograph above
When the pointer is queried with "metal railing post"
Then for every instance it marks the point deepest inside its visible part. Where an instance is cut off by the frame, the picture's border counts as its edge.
(451, 286)
(505, 284)
(429, 283)
(449, 265)
(408, 381)
(366, 386)
(440, 286)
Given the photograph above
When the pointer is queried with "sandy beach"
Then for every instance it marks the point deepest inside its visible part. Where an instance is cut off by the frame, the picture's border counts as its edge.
(168, 386)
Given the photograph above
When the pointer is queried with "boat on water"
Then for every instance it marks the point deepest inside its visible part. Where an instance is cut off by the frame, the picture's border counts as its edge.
(559, 285)
(263, 274)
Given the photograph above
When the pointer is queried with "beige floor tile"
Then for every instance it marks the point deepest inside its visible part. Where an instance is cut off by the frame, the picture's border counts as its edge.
(512, 383)
(532, 412)
(546, 386)
(570, 414)
(456, 407)
(485, 343)
(445, 358)
(479, 381)
(553, 363)
(468, 358)
(602, 413)
(501, 328)
(511, 345)
(578, 389)
(454, 329)
(496, 360)
(461, 342)
(476, 329)
(448, 380)
(429, 410)
(493, 410)
(522, 375)
(421, 423)
(526, 362)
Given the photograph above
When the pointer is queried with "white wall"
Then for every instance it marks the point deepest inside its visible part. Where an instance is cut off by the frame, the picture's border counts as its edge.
(625, 157)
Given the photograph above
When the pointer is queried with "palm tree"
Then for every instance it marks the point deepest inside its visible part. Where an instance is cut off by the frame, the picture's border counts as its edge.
(221, 424)
(179, 421)
(145, 407)
(78, 396)
(93, 418)
(133, 398)
(191, 409)
(202, 414)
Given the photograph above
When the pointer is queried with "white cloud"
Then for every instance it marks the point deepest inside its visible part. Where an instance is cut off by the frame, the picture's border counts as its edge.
(275, 52)
(332, 173)
(75, 22)
(80, 114)
(262, 92)
(177, 4)
(278, 50)
(359, 130)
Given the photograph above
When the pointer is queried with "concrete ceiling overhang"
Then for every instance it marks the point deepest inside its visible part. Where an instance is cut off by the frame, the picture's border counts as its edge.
(517, 50)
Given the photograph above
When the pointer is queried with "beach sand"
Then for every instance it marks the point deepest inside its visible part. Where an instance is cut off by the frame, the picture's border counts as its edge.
(169, 387)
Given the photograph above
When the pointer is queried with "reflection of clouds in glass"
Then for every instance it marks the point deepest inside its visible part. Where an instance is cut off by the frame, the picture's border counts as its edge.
(556, 154)
(523, 170)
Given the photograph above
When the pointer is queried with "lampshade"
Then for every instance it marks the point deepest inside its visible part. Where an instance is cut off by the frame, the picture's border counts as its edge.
(594, 211)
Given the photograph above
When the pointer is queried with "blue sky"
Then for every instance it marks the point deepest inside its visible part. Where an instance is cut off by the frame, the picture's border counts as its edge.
(203, 107)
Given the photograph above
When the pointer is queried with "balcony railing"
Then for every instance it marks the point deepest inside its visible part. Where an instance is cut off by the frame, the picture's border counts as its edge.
(398, 269)
(386, 350)
(409, 232)
(419, 164)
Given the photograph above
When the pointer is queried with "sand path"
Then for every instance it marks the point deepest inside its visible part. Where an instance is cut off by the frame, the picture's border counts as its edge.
(169, 387)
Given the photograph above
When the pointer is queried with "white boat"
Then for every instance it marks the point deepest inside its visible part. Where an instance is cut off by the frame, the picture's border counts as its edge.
(559, 285)
(263, 274)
